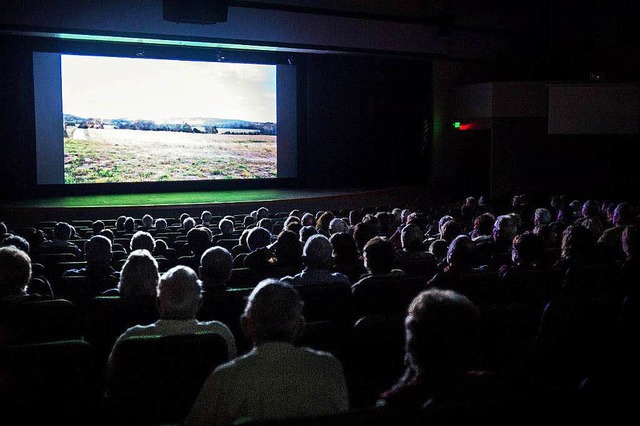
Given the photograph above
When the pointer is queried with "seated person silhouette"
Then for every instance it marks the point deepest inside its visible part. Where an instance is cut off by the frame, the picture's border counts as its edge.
(39, 283)
(59, 243)
(215, 268)
(178, 299)
(442, 355)
(97, 253)
(198, 240)
(15, 274)
(138, 277)
(275, 380)
(318, 260)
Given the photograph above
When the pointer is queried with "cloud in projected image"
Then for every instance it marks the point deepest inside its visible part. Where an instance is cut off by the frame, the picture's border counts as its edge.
(108, 87)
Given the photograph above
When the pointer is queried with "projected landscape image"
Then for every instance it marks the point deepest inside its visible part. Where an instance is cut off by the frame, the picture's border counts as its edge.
(147, 120)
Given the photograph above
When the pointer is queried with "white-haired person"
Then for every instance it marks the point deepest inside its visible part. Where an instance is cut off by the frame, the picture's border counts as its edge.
(276, 379)
(227, 228)
(178, 298)
(138, 277)
(317, 258)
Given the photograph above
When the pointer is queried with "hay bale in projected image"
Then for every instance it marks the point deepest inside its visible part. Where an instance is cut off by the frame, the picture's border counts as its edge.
(124, 155)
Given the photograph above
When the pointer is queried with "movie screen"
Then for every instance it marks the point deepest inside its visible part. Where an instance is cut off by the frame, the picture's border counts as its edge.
(153, 120)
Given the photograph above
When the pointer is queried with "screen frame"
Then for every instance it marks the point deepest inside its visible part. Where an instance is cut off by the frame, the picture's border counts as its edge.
(74, 47)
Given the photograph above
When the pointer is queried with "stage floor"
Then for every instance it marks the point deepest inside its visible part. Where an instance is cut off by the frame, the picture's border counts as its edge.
(29, 211)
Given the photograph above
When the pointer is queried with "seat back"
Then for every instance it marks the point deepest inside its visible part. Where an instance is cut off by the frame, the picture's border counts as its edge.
(155, 379)
(48, 382)
(378, 295)
(39, 321)
(107, 317)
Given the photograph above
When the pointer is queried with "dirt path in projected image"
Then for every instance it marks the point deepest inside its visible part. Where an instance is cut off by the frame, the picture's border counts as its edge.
(109, 155)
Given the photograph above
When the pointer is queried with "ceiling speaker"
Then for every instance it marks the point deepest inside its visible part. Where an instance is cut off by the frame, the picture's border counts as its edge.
(195, 11)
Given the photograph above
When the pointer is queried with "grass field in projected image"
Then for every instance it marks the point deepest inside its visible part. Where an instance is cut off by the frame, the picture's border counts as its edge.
(123, 155)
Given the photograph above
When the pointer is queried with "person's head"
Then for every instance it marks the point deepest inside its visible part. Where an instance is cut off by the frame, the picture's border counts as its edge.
(206, 217)
(142, 240)
(295, 213)
(308, 219)
(262, 212)
(226, 226)
(16, 241)
(460, 251)
(15, 272)
(631, 241)
(541, 216)
(98, 249)
(266, 223)
(139, 275)
(161, 248)
(273, 313)
(505, 228)
(411, 238)
(198, 240)
(129, 225)
(438, 248)
(258, 237)
(120, 222)
(483, 224)
(62, 231)
(287, 249)
(362, 233)
(161, 224)
(215, 267)
(324, 220)
(578, 243)
(179, 294)
(379, 255)
(442, 331)
(527, 249)
(590, 209)
(443, 219)
(108, 233)
(147, 221)
(306, 232)
(344, 247)
(355, 216)
(337, 225)
(188, 223)
(623, 214)
(248, 221)
(317, 252)
(183, 216)
(97, 226)
(450, 230)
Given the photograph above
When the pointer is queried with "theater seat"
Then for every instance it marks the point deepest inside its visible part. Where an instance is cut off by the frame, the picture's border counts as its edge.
(155, 379)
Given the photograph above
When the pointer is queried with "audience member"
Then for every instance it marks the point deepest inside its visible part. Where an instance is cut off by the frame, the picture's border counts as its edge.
(275, 380)
(97, 253)
(610, 241)
(142, 240)
(60, 243)
(216, 264)
(318, 260)
(138, 277)
(346, 258)
(15, 274)
(38, 283)
(442, 355)
(178, 299)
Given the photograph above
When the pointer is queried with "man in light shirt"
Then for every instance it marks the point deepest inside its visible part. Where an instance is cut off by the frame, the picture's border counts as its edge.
(276, 379)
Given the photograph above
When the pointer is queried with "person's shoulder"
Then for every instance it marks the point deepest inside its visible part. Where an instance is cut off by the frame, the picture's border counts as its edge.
(212, 326)
(319, 357)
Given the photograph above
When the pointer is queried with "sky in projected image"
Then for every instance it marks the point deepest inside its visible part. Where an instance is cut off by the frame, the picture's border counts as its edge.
(155, 89)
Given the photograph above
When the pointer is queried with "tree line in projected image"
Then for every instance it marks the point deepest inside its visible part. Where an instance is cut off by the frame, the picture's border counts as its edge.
(120, 150)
